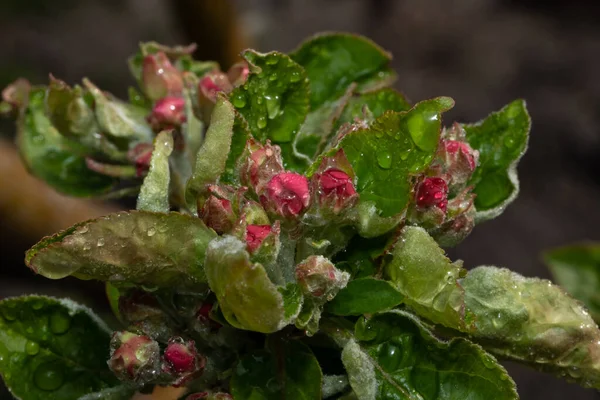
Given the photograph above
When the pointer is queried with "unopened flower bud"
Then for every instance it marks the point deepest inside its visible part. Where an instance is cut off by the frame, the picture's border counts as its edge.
(238, 73)
(286, 195)
(160, 78)
(213, 83)
(455, 157)
(318, 277)
(134, 357)
(218, 214)
(432, 192)
(335, 190)
(168, 113)
(140, 156)
(17, 93)
(460, 220)
(255, 234)
(263, 162)
(182, 360)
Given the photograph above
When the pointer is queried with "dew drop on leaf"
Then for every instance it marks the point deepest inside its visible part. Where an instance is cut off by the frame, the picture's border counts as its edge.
(294, 76)
(239, 100)
(9, 314)
(389, 356)
(261, 122)
(273, 105)
(151, 232)
(48, 377)
(59, 323)
(37, 305)
(423, 129)
(32, 348)
(509, 142)
(100, 242)
(384, 159)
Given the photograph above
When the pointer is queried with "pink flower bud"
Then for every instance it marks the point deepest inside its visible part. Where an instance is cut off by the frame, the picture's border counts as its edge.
(263, 162)
(159, 77)
(168, 113)
(432, 192)
(140, 156)
(336, 190)
(133, 357)
(182, 360)
(238, 73)
(255, 234)
(286, 194)
(213, 83)
(218, 214)
(319, 278)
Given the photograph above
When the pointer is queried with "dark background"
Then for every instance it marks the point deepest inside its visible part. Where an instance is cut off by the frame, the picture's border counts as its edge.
(483, 53)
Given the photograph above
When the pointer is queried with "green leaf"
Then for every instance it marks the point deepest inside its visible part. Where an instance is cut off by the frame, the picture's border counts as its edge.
(212, 157)
(122, 392)
(274, 101)
(52, 349)
(333, 61)
(139, 247)
(288, 370)
(53, 158)
(119, 119)
(364, 296)
(577, 269)
(154, 194)
(501, 139)
(395, 147)
(246, 295)
(396, 356)
(241, 134)
(377, 102)
(524, 319)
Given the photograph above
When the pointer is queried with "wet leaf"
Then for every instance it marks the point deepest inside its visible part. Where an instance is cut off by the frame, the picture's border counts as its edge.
(524, 319)
(274, 101)
(139, 247)
(396, 356)
(377, 102)
(52, 349)
(577, 269)
(246, 295)
(287, 370)
(333, 61)
(154, 194)
(58, 161)
(364, 296)
(241, 134)
(501, 139)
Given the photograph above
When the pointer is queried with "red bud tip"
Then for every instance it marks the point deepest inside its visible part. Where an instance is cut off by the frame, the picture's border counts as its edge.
(168, 112)
(255, 234)
(433, 192)
(287, 194)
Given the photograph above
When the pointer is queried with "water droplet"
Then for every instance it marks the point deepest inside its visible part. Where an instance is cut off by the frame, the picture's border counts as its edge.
(294, 76)
(389, 357)
(83, 229)
(384, 159)
(404, 155)
(32, 348)
(272, 59)
(273, 77)
(86, 247)
(60, 322)
(273, 105)
(151, 232)
(9, 314)
(509, 142)
(239, 100)
(423, 128)
(37, 305)
(48, 377)
(259, 100)
(100, 242)
(261, 122)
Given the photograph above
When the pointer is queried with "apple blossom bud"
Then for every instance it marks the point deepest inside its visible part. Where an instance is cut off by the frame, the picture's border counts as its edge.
(263, 162)
(318, 277)
(286, 195)
(255, 234)
(218, 214)
(182, 360)
(168, 113)
(17, 93)
(455, 157)
(432, 192)
(238, 73)
(160, 78)
(134, 357)
(460, 220)
(213, 83)
(335, 190)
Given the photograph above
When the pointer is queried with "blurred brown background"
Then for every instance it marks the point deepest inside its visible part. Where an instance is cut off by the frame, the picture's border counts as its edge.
(483, 53)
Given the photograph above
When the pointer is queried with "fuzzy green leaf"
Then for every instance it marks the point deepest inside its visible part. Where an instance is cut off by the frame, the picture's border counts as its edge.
(274, 101)
(501, 139)
(140, 247)
(577, 269)
(288, 370)
(212, 157)
(241, 134)
(396, 356)
(364, 296)
(52, 349)
(246, 295)
(525, 319)
(154, 194)
(396, 146)
(333, 61)
(53, 158)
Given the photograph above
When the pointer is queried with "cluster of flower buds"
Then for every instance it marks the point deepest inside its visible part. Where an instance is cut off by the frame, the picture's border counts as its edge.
(319, 278)
(443, 203)
(181, 361)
